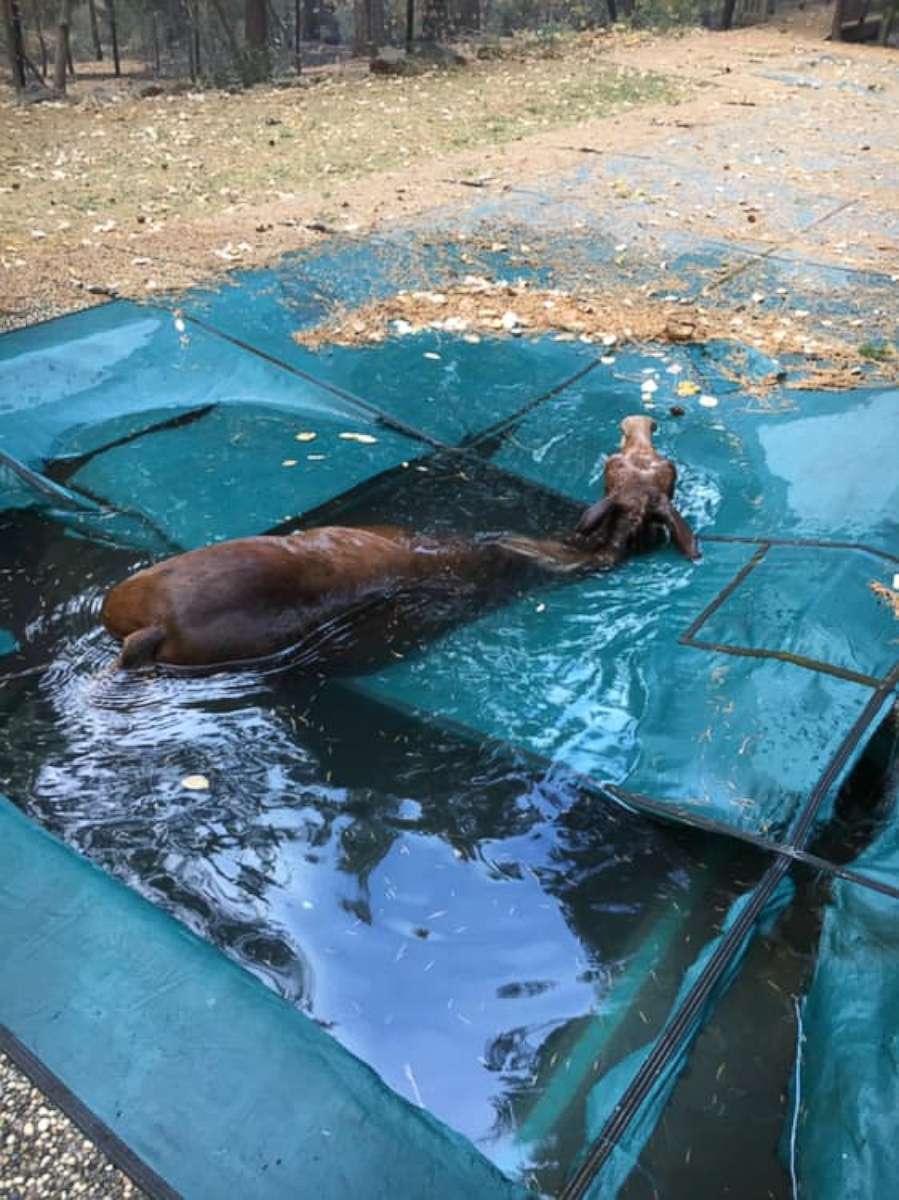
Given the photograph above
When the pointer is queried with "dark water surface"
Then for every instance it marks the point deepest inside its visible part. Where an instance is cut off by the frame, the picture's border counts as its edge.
(488, 936)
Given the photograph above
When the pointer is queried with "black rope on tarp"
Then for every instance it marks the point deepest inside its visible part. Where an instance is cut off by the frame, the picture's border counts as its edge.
(677, 1029)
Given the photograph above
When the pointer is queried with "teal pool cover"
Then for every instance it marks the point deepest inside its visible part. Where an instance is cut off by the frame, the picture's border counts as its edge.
(727, 705)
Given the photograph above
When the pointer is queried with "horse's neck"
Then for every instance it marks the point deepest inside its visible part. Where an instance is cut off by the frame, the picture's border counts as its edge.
(547, 556)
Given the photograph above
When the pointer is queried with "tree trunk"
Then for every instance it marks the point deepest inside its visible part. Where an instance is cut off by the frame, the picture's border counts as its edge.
(434, 21)
(889, 16)
(192, 12)
(95, 30)
(12, 20)
(42, 41)
(230, 36)
(114, 35)
(62, 46)
(376, 23)
(256, 23)
(361, 40)
(251, 66)
(470, 15)
(278, 24)
(312, 27)
(155, 21)
(191, 51)
(257, 64)
(727, 13)
(410, 25)
(836, 28)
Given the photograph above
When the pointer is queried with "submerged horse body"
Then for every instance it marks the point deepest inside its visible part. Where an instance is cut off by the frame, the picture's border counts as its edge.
(334, 593)
(339, 595)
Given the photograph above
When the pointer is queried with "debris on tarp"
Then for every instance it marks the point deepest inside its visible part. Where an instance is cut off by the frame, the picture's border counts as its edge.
(477, 306)
(888, 595)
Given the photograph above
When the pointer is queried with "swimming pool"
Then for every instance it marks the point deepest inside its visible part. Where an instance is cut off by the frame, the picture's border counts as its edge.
(513, 869)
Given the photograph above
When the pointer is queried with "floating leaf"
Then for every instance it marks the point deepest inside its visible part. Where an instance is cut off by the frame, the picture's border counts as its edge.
(195, 783)
(687, 388)
(366, 439)
(306, 436)
(289, 462)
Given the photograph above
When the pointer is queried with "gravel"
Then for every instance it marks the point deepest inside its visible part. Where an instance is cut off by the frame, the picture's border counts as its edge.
(43, 1156)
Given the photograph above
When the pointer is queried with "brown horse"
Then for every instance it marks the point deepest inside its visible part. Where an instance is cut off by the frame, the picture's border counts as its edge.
(639, 489)
(339, 596)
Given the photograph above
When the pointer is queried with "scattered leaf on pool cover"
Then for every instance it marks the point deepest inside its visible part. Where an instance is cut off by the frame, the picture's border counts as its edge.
(888, 595)
(195, 783)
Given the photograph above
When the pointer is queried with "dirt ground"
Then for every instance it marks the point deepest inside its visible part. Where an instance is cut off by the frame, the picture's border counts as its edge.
(138, 195)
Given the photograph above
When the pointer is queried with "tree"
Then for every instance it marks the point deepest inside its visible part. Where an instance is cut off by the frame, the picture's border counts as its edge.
(257, 64)
(252, 64)
(95, 30)
(42, 41)
(191, 9)
(361, 40)
(311, 20)
(114, 35)
(470, 15)
(368, 25)
(256, 30)
(434, 20)
(230, 36)
(15, 44)
(62, 46)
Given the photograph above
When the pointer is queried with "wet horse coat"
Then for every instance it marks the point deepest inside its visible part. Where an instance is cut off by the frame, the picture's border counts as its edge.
(340, 594)
(638, 502)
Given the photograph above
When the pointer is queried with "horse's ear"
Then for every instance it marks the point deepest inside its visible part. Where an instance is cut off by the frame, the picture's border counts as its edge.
(593, 517)
(681, 533)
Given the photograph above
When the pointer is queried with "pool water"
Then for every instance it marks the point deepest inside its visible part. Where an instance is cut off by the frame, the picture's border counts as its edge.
(486, 932)
(426, 856)
(453, 915)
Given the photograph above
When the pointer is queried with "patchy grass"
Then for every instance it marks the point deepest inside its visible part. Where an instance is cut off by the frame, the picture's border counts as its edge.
(71, 174)
(876, 351)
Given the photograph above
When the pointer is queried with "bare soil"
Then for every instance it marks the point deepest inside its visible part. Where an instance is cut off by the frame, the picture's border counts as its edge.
(135, 196)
